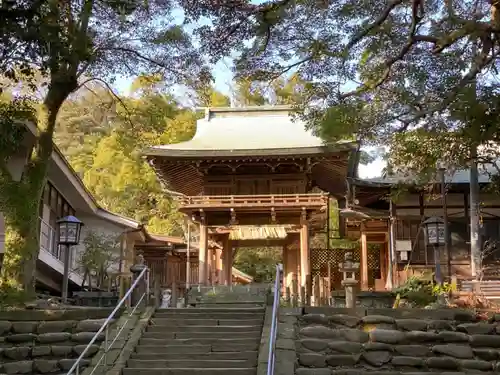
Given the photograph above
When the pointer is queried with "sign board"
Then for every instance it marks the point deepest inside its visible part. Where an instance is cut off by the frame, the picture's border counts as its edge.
(403, 245)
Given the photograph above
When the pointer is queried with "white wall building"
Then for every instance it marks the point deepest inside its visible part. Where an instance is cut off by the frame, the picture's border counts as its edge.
(65, 194)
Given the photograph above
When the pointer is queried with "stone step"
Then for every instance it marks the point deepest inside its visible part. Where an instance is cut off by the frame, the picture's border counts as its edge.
(189, 371)
(183, 363)
(218, 316)
(205, 340)
(216, 290)
(175, 321)
(247, 355)
(203, 304)
(217, 347)
(199, 310)
(230, 300)
(209, 315)
(200, 335)
(200, 328)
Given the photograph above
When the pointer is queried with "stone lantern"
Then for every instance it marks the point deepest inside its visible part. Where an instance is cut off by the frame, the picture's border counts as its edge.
(349, 282)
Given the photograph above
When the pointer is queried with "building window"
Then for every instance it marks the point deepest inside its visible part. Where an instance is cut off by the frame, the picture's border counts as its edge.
(53, 207)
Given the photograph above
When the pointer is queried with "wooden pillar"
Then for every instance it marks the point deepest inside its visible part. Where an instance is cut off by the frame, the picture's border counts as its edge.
(305, 273)
(229, 276)
(210, 266)
(364, 259)
(286, 269)
(203, 255)
(227, 261)
(218, 266)
(290, 264)
(384, 260)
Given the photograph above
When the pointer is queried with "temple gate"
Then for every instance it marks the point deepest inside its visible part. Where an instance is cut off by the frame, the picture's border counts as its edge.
(252, 177)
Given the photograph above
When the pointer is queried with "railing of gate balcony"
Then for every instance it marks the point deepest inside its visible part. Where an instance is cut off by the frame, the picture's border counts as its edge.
(274, 325)
(108, 341)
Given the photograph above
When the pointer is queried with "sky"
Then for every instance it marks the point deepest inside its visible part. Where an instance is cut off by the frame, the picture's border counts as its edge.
(223, 77)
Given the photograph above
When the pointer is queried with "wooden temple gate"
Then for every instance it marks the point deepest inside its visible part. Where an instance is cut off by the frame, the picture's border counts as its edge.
(285, 182)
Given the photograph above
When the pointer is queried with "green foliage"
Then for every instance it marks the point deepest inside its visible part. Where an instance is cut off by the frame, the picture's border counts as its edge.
(13, 112)
(209, 97)
(421, 290)
(333, 216)
(105, 148)
(416, 290)
(101, 251)
(374, 69)
(249, 93)
(260, 263)
(66, 43)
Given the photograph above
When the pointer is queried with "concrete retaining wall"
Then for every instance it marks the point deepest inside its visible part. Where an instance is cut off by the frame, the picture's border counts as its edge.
(336, 341)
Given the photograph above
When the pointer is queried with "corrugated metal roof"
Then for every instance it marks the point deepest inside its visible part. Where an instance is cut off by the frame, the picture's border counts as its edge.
(461, 176)
(242, 129)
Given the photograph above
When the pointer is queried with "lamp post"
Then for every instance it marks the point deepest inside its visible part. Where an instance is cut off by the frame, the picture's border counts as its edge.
(69, 229)
(442, 177)
(434, 236)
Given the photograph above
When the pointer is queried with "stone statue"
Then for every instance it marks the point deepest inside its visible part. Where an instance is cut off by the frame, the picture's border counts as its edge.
(166, 299)
(140, 260)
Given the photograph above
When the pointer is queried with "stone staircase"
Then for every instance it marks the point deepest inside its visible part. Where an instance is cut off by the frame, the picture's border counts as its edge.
(490, 289)
(235, 296)
(216, 339)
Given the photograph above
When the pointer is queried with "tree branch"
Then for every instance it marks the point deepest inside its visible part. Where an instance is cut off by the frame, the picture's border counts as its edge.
(378, 22)
(112, 93)
(412, 39)
(148, 59)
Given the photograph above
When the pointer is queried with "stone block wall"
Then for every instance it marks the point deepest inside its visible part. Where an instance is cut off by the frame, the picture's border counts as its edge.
(336, 341)
(46, 342)
(365, 300)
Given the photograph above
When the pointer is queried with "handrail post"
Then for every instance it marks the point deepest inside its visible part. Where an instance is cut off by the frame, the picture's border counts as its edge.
(143, 285)
(106, 346)
(141, 277)
(274, 322)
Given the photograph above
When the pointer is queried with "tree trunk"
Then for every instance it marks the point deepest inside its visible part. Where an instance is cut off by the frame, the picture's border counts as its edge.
(21, 201)
(21, 251)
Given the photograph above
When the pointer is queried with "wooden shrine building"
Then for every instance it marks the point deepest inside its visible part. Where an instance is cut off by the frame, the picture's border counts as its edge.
(412, 207)
(252, 177)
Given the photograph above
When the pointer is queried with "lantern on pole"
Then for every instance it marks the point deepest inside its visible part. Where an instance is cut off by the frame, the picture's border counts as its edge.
(69, 229)
(435, 237)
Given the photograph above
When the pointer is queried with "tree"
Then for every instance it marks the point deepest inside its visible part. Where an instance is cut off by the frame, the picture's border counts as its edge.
(210, 97)
(260, 263)
(249, 93)
(115, 172)
(100, 253)
(70, 44)
(83, 120)
(371, 69)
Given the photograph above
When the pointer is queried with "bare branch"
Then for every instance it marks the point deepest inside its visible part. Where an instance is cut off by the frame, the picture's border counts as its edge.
(113, 95)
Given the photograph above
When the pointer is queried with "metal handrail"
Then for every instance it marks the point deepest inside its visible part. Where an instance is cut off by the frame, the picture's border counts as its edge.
(274, 324)
(144, 275)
